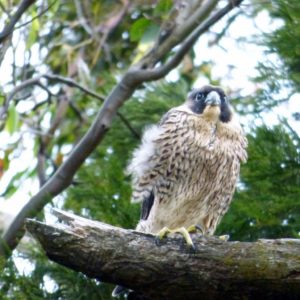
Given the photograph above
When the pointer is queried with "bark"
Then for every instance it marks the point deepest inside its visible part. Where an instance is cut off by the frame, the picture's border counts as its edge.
(268, 269)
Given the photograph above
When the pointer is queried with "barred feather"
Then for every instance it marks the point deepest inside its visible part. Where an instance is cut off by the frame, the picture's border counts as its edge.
(189, 165)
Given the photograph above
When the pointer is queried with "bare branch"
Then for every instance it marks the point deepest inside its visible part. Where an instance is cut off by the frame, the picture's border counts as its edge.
(89, 92)
(73, 83)
(5, 10)
(179, 33)
(23, 85)
(220, 35)
(37, 16)
(68, 81)
(45, 139)
(4, 47)
(8, 29)
(41, 164)
(216, 270)
(83, 21)
(128, 125)
(107, 27)
(62, 107)
(77, 112)
(159, 72)
(36, 81)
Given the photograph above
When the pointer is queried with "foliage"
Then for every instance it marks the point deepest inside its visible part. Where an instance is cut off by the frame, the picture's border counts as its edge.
(48, 280)
(266, 204)
(285, 41)
(279, 75)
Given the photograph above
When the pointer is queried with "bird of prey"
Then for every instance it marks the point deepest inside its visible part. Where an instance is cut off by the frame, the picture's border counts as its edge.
(186, 168)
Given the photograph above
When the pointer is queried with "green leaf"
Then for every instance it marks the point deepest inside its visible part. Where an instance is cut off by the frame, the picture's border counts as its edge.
(138, 28)
(6, 159)
(162, 8)
(150, 34)
(13, 185)
(12, 120)
(146, 41)
(34, 30)
(1, 99)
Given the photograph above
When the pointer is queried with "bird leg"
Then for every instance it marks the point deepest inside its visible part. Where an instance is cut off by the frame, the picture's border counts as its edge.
(182, 230)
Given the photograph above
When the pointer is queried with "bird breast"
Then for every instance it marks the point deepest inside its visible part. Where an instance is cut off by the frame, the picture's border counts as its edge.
(199, 161)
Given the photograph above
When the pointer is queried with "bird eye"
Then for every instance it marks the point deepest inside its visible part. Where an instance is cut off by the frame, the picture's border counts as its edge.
(199, 97)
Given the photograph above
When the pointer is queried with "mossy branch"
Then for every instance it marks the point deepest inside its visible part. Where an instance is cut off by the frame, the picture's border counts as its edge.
(216, 270)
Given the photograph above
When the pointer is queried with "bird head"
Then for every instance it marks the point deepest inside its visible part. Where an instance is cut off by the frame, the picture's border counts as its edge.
(211, 102)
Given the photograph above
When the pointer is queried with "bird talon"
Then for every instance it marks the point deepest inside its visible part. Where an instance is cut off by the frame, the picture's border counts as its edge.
(195, 228)
(157, 241)
(161, 234)
(224, 237)
(200, 228)
(185, 233)
(191, 248)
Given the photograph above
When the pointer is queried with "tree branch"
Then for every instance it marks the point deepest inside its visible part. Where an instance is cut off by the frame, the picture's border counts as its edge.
(268, 269)
(72, 83)
(37, 16)
(68, 81)
(122, 91)
(8, 29)
(187, 44)
(25, 84)
(190, 17)
(82, 19)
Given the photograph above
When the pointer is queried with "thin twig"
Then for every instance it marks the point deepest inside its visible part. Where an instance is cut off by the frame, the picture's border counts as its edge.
(219, 35)
(290, 128)
(41, 164)
(73, 83)
(68, 81)
(23, 85)
(83, 21)
(39, 104)
(36, 17)
(8, 29)
(77, 112)
(128, 125)
(5, 10)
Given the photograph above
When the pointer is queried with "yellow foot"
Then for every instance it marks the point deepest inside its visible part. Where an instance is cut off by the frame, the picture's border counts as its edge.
(224, 237)
(195, 228)
(185, 233)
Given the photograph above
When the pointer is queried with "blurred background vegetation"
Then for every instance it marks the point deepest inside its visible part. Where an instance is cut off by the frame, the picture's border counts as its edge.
(94, 42)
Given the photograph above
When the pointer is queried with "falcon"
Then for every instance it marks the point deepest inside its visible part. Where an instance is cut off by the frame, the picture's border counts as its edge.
(186, 168)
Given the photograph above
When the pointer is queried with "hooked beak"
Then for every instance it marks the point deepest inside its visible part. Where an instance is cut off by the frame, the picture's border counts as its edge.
(213, 99)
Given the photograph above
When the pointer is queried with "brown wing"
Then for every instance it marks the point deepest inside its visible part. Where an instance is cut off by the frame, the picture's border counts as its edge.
(149, 182)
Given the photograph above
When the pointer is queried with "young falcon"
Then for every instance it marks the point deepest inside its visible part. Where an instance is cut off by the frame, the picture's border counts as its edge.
(187, 166)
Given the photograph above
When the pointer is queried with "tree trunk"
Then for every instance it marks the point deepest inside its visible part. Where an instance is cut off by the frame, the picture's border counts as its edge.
(268, 269)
